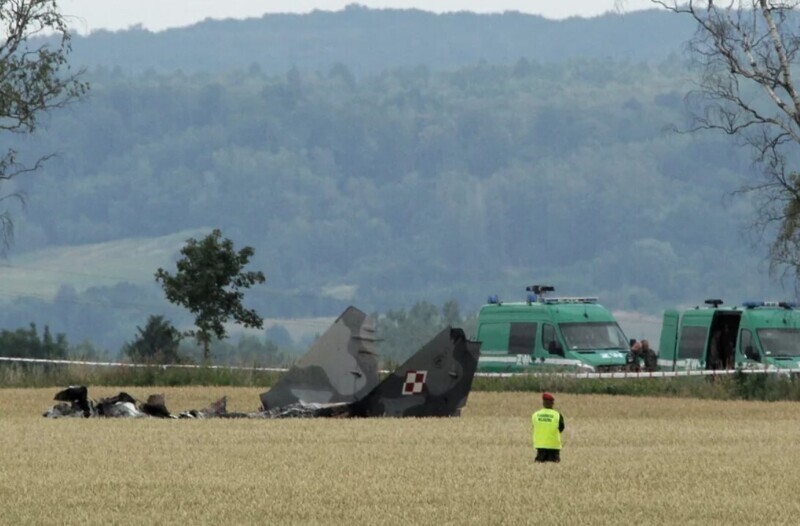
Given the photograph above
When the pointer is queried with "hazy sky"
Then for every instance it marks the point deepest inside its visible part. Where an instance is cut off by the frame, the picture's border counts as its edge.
(90, 15)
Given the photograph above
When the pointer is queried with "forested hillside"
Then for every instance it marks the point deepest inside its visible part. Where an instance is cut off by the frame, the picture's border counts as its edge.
(383, 186)
(369, 41)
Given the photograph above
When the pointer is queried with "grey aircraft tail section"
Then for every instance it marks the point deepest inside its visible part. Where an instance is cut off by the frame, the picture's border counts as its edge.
(436, 381)
(340, 367)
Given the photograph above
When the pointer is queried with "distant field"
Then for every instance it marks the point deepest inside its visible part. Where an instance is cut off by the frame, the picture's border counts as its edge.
(134, 260)
(626, 461)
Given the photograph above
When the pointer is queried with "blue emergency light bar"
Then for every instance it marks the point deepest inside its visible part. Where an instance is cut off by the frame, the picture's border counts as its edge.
(781, 304)
(587, 299)
(494, 299)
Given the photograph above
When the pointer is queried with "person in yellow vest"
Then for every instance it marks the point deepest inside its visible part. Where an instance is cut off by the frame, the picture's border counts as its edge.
(547, 424)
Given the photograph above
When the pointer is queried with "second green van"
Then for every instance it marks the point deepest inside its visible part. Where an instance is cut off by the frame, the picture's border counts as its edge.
(757, 334)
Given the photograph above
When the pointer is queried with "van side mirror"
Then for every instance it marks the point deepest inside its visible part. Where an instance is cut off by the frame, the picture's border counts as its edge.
(555, 348)
(751, 354)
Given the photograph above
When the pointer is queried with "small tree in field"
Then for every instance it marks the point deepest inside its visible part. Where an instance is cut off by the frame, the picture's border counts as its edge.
(209, 282)
(158, 342)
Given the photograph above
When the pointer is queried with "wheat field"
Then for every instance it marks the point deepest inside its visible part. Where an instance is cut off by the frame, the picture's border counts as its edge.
(625, 461)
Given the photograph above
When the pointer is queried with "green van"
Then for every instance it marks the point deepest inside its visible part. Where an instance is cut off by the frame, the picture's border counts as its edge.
(757, 334)
(549, 333)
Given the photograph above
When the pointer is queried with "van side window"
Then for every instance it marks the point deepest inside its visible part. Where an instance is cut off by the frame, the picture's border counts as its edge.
(549, 340)
(692, 343)
(522, 338)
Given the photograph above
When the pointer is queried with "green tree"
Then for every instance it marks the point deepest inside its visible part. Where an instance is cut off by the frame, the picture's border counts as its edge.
(279, 335)
(252, 350)
(209, 282)
(34, 78)
(26, 343)
(158, 342)
(401, 333)
(451, 313)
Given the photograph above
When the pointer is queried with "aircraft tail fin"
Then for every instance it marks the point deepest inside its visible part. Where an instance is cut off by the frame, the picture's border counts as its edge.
(435, 381)
(341, 366)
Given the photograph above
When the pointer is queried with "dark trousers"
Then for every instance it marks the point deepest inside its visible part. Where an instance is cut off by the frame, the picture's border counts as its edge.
(548, 455)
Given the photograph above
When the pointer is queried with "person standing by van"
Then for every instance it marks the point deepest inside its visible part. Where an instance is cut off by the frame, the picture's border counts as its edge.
(632, 359)
(547, 425)
(650, 357)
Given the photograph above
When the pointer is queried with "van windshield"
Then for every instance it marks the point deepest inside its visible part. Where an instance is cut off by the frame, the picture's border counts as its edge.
(593, 336)
(780, 342)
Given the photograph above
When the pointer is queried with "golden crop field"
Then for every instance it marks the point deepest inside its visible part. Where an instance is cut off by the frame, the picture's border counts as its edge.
(625, 461)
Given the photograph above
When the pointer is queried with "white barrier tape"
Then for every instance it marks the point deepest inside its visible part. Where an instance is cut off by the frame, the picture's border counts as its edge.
(122, 364)
(654, 374)
(618, 374)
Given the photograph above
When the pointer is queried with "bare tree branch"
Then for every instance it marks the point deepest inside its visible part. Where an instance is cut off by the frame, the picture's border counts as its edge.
(34, 79)
(745, 52)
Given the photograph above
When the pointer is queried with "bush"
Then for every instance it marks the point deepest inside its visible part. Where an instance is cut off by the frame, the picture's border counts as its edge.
(49, 375)
(740, 386)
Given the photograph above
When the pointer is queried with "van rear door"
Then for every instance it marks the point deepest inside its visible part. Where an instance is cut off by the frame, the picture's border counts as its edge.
(669, 339)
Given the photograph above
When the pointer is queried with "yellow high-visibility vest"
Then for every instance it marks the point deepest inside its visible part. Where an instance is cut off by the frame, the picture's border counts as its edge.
(545, 429)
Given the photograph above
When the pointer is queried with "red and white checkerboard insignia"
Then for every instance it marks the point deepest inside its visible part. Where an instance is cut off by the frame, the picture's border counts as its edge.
(415, 381)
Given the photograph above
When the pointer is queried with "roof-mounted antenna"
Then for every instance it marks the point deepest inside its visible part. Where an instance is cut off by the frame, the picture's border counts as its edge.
(538, 292)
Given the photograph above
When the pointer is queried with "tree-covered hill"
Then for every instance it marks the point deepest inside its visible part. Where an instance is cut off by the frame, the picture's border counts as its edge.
(371, 40)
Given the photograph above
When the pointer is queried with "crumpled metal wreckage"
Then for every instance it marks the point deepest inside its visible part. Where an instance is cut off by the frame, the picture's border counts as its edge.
(337, 377)
(74, 402)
